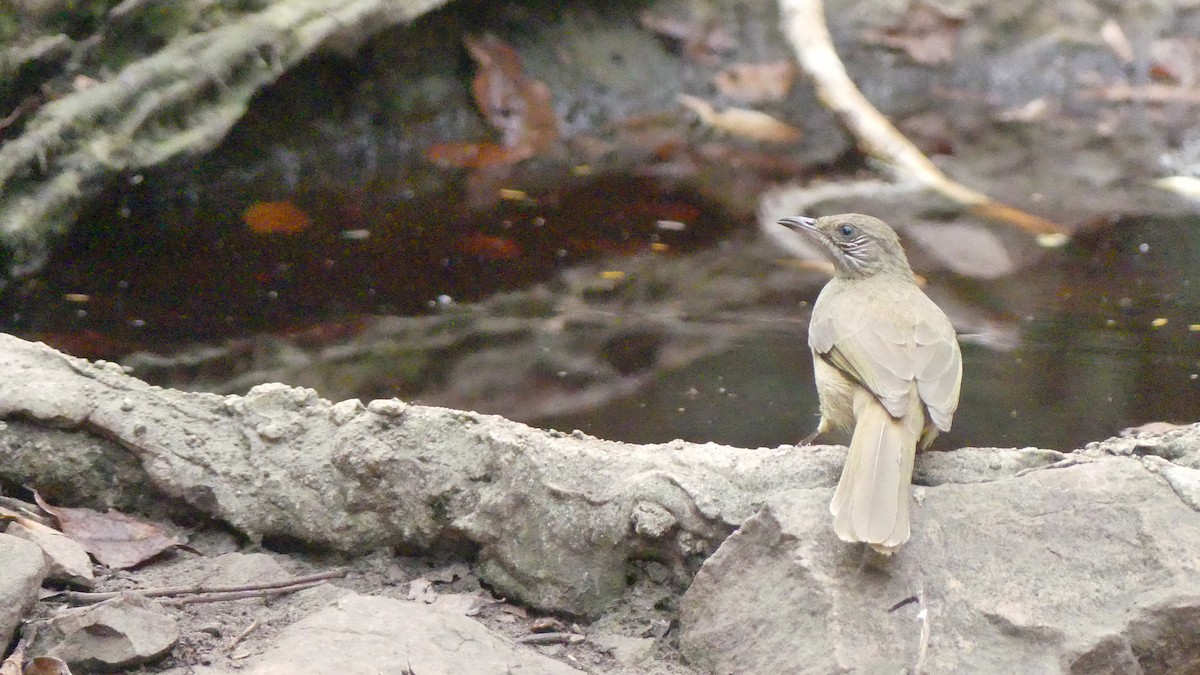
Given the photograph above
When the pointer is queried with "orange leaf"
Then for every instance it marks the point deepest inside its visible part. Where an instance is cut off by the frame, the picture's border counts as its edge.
(518, 106)
(476, 155)
(489, 248)
(276, 218)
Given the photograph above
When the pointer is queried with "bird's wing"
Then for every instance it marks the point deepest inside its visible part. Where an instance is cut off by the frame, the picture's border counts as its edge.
(938, 369)
(873, 353)
(889, 356)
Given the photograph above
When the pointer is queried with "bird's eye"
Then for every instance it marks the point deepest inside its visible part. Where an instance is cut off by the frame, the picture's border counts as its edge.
(846, 230)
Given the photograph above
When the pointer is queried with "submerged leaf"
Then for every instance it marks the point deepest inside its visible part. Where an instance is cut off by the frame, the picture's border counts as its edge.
(276, 218)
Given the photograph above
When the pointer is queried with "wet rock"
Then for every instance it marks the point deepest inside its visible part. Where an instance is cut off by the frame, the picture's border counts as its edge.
(368, 635)
(123, 632)
(22, 569)
(1055, 571)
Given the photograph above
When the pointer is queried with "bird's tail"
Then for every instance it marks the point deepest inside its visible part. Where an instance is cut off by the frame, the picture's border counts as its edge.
(871, 500)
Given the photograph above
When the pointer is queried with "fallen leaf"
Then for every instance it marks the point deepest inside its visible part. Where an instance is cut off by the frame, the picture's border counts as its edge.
(1029, 112)
(46, 665)
(1175, 60)
(742, 122)
(488, 247)
(113, 538)
(757, 82)
(514, 610)
(276, 218)
(517, 106)
(476, 155)
(703, 41)
(547, 624)
(665, 210)
(926, 32)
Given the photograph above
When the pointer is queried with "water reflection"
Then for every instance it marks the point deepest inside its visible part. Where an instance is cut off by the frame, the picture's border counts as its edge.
(1108, 338)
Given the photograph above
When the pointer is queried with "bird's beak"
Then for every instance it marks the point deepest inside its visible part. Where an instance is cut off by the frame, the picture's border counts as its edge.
(798, 223)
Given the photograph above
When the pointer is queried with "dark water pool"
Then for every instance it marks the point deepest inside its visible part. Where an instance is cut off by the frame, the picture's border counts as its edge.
(1107, 336)
(1104, 333)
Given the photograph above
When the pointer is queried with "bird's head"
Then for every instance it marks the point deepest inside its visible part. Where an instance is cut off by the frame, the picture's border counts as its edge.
(860, 246)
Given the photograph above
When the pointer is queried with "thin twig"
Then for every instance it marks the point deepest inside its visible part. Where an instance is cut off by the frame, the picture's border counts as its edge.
(549, 638)
(804, 24)
(923, 649)
(86, 598)
(237, 639)
(13, 663)
(25, 509)
(239, 595)
(1149, 93)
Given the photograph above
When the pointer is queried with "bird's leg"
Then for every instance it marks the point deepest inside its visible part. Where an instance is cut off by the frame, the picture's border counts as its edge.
(822, 427)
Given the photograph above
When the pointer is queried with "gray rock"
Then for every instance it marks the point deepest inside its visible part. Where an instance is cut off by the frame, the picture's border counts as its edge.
(69, 563)
(370, 635)
(628, 650)
(126, 631)
(22, 570)
(1067, 570)
(234, 569)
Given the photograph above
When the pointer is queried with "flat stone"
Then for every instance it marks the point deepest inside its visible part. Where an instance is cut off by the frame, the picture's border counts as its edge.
(1059, 570)
(126, 631)
(368, 635)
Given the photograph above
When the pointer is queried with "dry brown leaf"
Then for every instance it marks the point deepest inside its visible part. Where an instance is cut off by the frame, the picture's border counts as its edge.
(1175, 60)
(757, 82)
(46, 665)
(703, 40)
(742, 122)
(514, 610)
(518, 106)
(113, 538)
(926, 32)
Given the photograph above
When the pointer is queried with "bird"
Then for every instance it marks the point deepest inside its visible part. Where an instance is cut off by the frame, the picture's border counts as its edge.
(887, 368)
